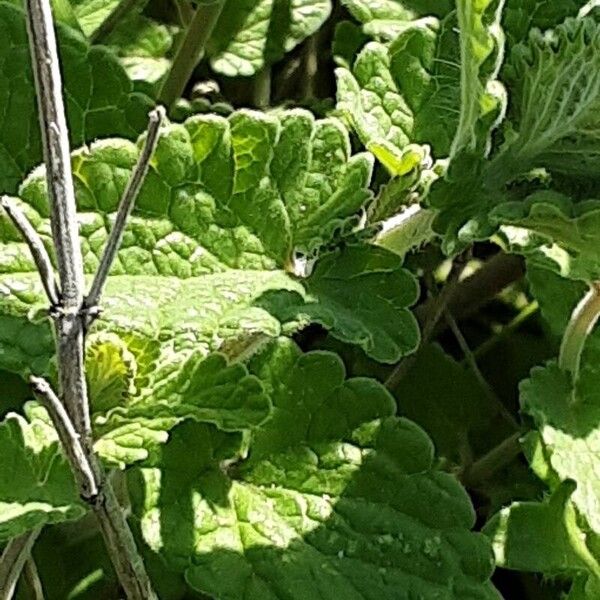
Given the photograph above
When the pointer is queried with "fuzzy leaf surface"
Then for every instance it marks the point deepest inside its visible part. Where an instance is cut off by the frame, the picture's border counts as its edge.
(554, 232)
(560, 133)
(566, 417)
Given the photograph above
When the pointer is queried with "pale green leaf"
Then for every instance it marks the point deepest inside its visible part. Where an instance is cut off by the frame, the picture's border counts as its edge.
(393, 92)
(567, 420)
(92, 13)
(224, 208)
(482, 97)
(553, 232)
(110, 369)
(206, 390)
(385, 19)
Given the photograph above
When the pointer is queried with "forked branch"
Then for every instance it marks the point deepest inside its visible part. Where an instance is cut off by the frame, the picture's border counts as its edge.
(72, 420)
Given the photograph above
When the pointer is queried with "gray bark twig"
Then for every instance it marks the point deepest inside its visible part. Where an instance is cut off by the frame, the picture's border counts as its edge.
(55, 137)
(13, 560)
(36, 247)
(73, 424)
(69, 438)
(125, 207)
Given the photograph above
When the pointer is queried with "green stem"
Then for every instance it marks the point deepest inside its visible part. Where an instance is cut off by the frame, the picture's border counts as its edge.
(114, 18)
(527, 312)
(261, 94)
(190, 51)
(496, 459)
(582, 322)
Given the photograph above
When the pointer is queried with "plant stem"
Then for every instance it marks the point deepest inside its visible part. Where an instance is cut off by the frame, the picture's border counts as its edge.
(36, 247)
(69, 438)
(582, 322)
(125, 207)
(497, 458)
(190, 51)
(32, 577)
(70, 315)
(261, 92)
(114, 18)
(311, 66)
(471, 361)
(13, 560)
(526, 313)
(53, 125)
(478, 289)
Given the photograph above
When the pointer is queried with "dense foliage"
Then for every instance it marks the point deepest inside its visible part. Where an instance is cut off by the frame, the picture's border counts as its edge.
(346, 350)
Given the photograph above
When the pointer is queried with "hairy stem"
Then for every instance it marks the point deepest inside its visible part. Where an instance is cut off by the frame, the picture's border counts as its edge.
(53, 125)
(13, 560)
(69, 438)
(583, 319)
(190, 51)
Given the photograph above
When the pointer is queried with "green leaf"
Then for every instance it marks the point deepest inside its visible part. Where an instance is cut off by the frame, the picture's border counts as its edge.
(566, 417)
(99, 97)
(92, 13)
(36, 485)
(335, 500)
(144, 46)
(556, 296)
(348, 38)
(206, 390)
(521, 16)
(110, 369)
(361, 294)
(224, 209)
(481, 45)
(385, 19)
(446, 400)
(553, 232)
(253, 34)
(406, 93)
(542, 537)
(560, 132)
